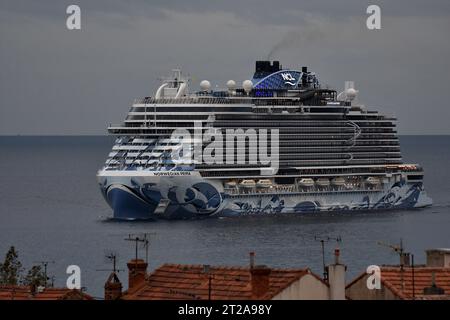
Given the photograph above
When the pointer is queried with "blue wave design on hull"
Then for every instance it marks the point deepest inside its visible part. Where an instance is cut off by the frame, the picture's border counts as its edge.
(128, 206)
(201, 200)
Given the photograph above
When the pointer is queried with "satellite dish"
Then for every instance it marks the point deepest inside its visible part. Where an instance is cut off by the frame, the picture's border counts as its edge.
(247, 85)
(205, 85)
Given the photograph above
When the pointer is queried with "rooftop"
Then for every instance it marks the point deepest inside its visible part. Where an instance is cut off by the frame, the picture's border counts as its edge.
(175, 281)
(9, 292)
(400, 281)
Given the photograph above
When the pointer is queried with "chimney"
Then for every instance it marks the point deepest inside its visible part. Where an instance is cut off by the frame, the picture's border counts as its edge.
(438, 258)
(405, 259)
(337, 253)
(137, 270)
(276, 66)
(252, 260)
(336, 278)
(260, 281)
(113, 287)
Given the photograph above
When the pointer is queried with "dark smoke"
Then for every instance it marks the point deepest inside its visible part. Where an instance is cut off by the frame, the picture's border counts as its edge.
(297, 39)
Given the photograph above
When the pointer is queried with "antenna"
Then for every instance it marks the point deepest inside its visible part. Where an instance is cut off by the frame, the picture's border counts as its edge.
(400, 250)
(396, 248)
(142, 238)
(322, 241)
(404, 259)
(45, 263)
(113, 258)
(146, 244)
(207, 270)
(413, 278)
(136, 240)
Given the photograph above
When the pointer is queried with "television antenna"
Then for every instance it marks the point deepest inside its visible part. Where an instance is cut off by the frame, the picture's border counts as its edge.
(207, 271)
(398, 249)
(144, 239)
(53, 281)
(111, 257)
(322, 241)
(45, 263)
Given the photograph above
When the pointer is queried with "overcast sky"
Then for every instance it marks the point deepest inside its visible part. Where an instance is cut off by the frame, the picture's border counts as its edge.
(57, 81)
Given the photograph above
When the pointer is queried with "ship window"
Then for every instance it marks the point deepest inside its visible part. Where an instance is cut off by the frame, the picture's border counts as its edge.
(415, 177)
(284, 180)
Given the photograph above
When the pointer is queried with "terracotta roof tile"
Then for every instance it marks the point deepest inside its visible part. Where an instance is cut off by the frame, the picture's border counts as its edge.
(401, 282)
(24, 293)
(174, 281)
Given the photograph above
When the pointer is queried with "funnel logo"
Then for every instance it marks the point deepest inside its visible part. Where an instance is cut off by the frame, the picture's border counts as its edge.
(288, 78)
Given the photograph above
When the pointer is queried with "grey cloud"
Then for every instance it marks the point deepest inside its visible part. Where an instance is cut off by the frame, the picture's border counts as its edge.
(278, 12)
(55, 81)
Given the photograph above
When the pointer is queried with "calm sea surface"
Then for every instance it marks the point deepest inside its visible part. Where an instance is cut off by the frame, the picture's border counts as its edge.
(51, 209)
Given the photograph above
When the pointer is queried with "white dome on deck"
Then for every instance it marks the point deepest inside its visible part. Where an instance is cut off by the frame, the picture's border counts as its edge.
(231, 84)
(205, 85)
(247, 85)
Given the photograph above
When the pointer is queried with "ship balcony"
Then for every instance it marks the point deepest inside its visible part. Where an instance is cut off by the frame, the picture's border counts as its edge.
(295, 189)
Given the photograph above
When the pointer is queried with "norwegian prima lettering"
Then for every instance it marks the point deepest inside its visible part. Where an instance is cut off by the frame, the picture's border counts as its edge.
(172, 173)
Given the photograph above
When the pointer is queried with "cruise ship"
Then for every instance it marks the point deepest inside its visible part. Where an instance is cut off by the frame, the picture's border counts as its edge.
(279, 143)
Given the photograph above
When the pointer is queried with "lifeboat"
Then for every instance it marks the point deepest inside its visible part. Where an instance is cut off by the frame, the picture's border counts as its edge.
(248, 183)
(372, 180)
(230, 184)
(264, 183)
(306, 182)
(323, 182)
(338, 181)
